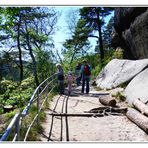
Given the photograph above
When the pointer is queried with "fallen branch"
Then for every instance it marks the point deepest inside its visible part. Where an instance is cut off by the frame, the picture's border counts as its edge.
(77, 114)
(107, 101)
(103, 109)
(139, 105)
(138, 118)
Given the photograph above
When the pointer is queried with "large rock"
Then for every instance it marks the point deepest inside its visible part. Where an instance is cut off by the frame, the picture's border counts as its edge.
(138, 88)
(118, 71)
(131, 26)
(125, 16)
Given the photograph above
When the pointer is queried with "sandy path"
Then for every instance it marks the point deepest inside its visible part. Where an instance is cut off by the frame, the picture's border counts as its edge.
(90, 129)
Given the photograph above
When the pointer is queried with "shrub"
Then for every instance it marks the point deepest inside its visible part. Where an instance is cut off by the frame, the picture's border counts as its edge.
(119, 96)
(7, 85)
(29, 82)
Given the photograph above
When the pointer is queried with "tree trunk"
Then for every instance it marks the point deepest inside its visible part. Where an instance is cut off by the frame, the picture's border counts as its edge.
(20, 52)
(100, 40)
(107, 101)
(138, 119)
(139, 105)
(32, 56)
(34, 67)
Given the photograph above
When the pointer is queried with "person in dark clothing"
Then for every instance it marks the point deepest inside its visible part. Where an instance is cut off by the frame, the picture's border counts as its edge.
(78, 73)
(60, 76)
(86, 72)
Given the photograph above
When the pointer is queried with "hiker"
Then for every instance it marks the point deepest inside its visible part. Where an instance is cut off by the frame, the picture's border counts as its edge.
(69, 80)
(78, 73)
(60, 76)
(86, 72)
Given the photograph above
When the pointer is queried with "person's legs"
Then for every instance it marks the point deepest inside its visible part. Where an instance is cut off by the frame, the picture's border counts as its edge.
(87, 85)
(61, 87)
(83, 85)
(77, 81)
(69, 87)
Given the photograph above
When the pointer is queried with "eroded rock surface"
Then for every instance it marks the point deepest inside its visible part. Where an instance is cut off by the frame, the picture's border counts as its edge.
(138, 88)
(117, 72)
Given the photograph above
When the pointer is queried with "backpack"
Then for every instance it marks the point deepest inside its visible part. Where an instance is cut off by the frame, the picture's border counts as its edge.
(87, 70)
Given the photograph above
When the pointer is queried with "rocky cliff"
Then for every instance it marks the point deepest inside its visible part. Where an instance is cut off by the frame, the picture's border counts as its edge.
(131, 31)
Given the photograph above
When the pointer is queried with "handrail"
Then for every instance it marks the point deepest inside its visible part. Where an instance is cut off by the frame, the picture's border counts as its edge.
(16, 119)
(36, 117)
(8, 130)
(25, 111)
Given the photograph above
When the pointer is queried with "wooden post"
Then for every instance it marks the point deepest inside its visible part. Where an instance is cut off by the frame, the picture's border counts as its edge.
(139, 105)
(138, 118)
(107, 101)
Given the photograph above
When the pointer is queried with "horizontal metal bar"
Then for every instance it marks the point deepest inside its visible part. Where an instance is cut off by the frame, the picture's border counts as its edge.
(77, 114)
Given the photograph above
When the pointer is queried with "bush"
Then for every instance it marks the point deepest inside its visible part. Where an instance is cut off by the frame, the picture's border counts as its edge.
(119, 96)
(15, 94)
(27, 83)
(7, 85)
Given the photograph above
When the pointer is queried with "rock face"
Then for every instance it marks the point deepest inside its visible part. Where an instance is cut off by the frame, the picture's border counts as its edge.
(118, 71)
(131, 26)
(138, 88)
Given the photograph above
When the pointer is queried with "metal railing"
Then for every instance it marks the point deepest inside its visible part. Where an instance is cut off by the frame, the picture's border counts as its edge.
(43, 90)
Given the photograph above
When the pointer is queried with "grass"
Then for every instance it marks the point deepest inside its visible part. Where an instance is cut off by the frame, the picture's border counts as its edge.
(97, 88)
(119, 96)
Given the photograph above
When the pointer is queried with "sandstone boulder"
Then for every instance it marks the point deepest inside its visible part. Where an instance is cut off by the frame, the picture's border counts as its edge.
(138, 88)
(118, 71)
(131, 29)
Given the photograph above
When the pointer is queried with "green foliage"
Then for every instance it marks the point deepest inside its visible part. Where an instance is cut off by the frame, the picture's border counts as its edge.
(10, 115)
(118, 53)
(28, 82)
(7, 85)
(16, 94)
(45, 66)
(119, 96)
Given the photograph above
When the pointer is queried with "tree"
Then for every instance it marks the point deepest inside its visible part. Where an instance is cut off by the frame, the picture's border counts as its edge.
(107, 33)
(31, 29)
(94, 18)
(78, 44)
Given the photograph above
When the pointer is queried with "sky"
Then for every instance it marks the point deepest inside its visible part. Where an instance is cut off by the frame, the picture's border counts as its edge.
(62, 34)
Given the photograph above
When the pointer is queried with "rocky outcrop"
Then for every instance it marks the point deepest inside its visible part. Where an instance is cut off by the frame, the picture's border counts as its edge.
(138, 88)
(131, 26)
(118, 71)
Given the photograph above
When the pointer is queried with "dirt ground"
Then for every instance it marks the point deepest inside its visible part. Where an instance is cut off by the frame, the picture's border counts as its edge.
(110, 128)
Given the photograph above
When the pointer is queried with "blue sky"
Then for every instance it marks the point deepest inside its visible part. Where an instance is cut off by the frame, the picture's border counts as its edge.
(62, 34)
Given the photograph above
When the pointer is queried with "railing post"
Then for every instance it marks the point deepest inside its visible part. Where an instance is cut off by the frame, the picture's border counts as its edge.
(17, 128)
(38, 102)
(47, 91)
